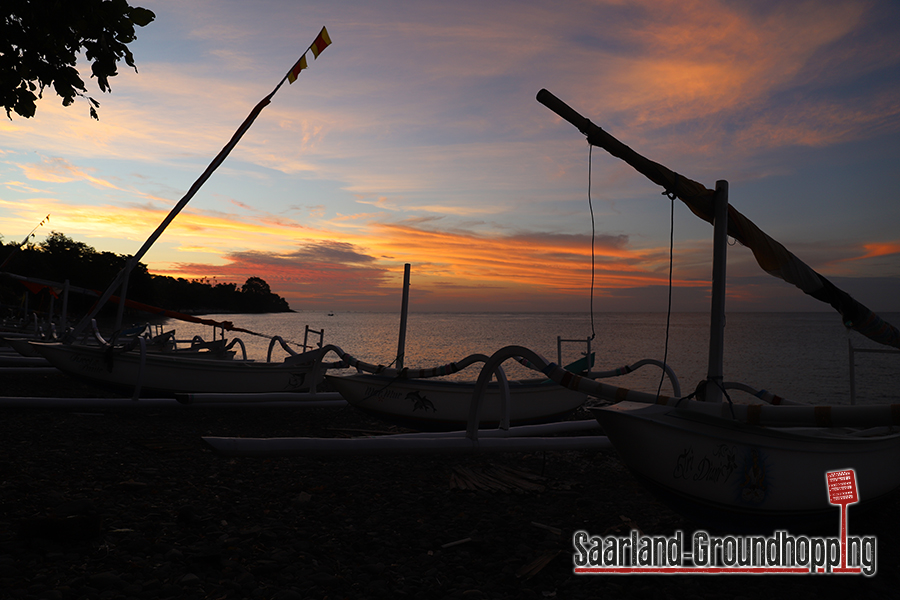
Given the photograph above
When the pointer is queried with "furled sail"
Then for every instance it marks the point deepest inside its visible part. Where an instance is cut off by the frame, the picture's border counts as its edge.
(774, 258)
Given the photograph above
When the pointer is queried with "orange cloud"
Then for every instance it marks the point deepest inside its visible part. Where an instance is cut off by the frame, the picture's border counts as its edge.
(448, 266)
(880, 249)
(871, 250)
(58, 170)
(714, 61)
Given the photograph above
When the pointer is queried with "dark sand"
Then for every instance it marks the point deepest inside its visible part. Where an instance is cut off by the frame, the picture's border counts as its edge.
(130, 503)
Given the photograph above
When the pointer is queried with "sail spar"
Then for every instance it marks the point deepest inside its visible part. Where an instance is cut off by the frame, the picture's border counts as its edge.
(321, 42)
(773, 257)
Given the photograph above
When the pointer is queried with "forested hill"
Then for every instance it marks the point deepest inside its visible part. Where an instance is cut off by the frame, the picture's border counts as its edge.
(59, 258)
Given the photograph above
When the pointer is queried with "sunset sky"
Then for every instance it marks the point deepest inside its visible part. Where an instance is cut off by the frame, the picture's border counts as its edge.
(416, 137)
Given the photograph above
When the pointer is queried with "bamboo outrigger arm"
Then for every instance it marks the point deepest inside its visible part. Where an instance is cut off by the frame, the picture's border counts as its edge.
(774, 258)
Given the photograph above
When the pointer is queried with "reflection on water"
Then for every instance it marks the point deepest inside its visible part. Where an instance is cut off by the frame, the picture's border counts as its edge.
(801, 356)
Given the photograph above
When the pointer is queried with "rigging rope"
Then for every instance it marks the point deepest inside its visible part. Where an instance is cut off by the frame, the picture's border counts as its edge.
(669, 308)
(672, 198)
(593, 235)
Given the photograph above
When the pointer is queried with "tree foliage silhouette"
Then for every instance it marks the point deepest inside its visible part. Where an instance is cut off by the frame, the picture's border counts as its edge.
(59, 257)
(40, 41)
(256, 285)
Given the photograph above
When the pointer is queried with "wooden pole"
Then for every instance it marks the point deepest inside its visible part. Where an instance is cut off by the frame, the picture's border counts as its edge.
(64, 317)
(120, 310)
(404, 310)
(218, 160)
(714, 374)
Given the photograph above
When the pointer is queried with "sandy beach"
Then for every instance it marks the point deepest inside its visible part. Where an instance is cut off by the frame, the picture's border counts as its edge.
(130, 503)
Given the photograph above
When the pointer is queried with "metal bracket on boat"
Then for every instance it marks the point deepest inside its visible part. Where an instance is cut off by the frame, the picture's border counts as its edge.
(163, 339)
(318, 332)
(97, 335)
(673, 379)
(701, 395)
(319, 362)
(217, 347)
(853, 351)
(284, 346)
(491, 367)
(240, 343)
(765, 396)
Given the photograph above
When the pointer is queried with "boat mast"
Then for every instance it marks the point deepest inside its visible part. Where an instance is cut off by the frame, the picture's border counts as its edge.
(771, 256)
(321, 42)
(121, 279)
(715, 371)
(404, 311)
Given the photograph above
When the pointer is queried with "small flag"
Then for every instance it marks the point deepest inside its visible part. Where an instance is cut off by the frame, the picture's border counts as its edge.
(322, 42)
(301, 64)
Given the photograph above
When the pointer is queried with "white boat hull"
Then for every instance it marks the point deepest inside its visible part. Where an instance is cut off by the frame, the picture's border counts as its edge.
(729, 473)
(20, 344)
(176, 374)
(445, 405)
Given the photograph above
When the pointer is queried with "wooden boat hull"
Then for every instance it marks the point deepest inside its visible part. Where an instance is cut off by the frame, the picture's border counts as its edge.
(444, 405)
(20, 344)
(165, 374)
(733, 475)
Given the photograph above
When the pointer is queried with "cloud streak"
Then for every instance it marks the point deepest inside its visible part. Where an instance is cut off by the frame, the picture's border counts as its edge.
(416, 138)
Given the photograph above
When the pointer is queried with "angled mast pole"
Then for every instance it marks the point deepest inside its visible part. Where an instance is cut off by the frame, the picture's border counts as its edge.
(320, 43)
(771, 256)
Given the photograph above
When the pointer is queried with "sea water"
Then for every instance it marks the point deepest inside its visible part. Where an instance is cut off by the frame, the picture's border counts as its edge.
(800, 356)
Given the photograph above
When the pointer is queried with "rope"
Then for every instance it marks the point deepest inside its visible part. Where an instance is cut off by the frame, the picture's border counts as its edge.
(671, 197)
(721, 386)
(671, 194)
(593, 235)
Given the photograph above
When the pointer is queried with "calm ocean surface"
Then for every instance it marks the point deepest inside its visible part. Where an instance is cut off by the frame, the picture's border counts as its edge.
(800, 356)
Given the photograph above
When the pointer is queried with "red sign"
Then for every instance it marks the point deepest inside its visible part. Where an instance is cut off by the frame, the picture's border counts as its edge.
(842, 487)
